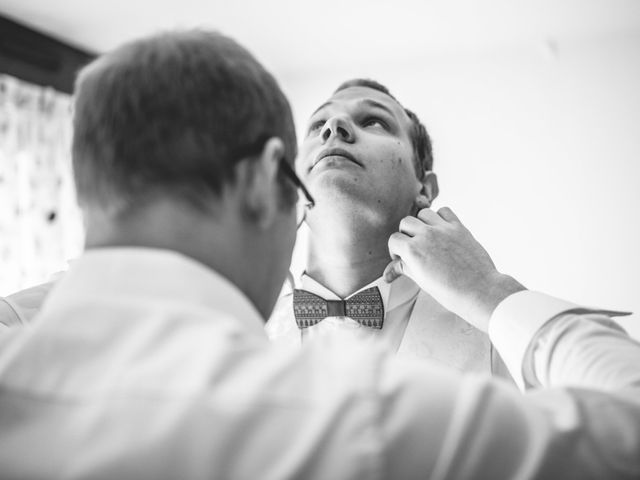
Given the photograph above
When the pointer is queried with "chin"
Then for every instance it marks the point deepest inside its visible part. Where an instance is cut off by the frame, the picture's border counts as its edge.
(335, 183)
(343, 213)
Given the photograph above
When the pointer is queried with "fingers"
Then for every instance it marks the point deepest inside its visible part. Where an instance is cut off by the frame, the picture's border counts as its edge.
(411, 226)
(430, 217)
(441, 217)
(447, 214)
(398, 245)
(393, 270)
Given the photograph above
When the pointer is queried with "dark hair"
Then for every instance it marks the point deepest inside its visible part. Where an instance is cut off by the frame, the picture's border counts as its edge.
(172, 114)
(422, 148)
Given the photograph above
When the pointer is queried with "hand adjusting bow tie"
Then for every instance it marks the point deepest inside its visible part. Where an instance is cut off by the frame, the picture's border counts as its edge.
(364, 307)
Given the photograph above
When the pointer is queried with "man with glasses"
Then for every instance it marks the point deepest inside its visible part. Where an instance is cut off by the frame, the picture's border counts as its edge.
(305, 200)
(19, 308)
(369, 163)
(149, 358)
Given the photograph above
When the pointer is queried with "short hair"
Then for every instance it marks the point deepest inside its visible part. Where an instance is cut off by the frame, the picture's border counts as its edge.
(422, 147)
(172, 114)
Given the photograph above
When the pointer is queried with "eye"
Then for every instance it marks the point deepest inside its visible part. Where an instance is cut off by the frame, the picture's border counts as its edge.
(374, 122)
(315, 126)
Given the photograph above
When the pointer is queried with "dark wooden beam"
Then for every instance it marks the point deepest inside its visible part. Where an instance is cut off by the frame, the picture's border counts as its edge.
(38, 58)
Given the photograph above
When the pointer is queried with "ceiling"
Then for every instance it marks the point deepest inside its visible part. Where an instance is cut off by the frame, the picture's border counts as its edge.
(291, 36)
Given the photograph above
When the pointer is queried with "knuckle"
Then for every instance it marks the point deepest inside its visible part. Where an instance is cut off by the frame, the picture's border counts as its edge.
(424, 214)
(393, 240)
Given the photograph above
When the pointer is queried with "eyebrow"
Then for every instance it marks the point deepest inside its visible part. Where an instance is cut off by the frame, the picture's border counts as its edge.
(382, 106)
(365, 101)
(325, 104)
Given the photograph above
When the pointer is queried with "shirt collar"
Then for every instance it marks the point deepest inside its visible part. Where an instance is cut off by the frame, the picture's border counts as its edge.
(156, 274)
(394, 294)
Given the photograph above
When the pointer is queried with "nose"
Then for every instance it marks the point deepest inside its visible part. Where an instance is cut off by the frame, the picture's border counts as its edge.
(337, 127)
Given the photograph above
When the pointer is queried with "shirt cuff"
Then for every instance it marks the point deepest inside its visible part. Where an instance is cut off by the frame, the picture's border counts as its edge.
(517, 320)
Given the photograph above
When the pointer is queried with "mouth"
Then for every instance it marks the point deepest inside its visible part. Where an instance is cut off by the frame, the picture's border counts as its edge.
(335, 152)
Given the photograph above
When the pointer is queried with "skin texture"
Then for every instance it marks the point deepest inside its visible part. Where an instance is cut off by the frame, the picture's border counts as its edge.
(379, 179)
(356, 158)
(441, 255)
(245, 235)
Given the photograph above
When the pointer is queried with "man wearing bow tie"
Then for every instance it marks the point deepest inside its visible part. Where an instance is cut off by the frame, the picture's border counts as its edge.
(368, 162)
(149, 358)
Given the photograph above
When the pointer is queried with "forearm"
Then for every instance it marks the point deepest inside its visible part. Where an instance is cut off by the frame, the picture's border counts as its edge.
(546, 341)
(478, 427)
(551, 433)
(585, 350)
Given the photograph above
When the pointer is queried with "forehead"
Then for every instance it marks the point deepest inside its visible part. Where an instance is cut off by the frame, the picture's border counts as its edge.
(363, 98)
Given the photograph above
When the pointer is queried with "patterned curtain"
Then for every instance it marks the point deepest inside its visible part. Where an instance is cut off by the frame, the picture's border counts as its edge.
(40, 223)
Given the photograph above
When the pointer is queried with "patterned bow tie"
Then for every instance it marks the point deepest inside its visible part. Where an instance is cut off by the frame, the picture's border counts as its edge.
(365, 307)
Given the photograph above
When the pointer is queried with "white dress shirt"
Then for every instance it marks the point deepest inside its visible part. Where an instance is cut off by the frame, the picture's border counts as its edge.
(415, 327)
(398, 300)
(20, 307)
(146, 364)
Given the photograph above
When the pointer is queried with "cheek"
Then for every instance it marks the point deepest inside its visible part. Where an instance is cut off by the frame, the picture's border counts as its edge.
(399, 163)
(396, 156)
(398, 166)
(398, 177)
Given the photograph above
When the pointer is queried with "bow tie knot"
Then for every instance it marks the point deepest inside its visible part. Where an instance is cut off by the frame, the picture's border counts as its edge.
(365, 307)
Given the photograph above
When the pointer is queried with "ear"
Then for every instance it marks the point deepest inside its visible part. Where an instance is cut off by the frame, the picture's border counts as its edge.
(261, 191)
(429, 187)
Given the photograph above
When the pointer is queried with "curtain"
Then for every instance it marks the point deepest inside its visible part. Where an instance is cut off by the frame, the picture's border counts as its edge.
(40, 223)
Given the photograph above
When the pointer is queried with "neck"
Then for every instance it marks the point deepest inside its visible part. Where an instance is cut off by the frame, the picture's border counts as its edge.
(214, 239)
(346, 262)
(164, 225)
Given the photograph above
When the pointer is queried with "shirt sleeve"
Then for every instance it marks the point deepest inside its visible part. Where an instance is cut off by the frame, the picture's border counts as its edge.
(521, 330)
(584, 425)
(478, 427)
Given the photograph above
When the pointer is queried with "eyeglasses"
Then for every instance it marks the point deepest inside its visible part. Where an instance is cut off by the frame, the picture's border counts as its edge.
(306, 201)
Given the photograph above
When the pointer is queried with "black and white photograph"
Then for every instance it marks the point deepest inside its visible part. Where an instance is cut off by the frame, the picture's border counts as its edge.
(273, 240)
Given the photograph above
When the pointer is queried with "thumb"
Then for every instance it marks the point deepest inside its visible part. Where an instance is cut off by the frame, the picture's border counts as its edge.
(393, 270)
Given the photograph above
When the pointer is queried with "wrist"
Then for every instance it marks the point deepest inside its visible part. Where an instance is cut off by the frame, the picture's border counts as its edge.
(495, 288)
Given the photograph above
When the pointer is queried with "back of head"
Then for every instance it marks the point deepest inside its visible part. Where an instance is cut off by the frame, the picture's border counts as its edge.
(172, 114)
(422, 147)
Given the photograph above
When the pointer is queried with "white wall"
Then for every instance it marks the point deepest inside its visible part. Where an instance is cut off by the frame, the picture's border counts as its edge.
(537, 149)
